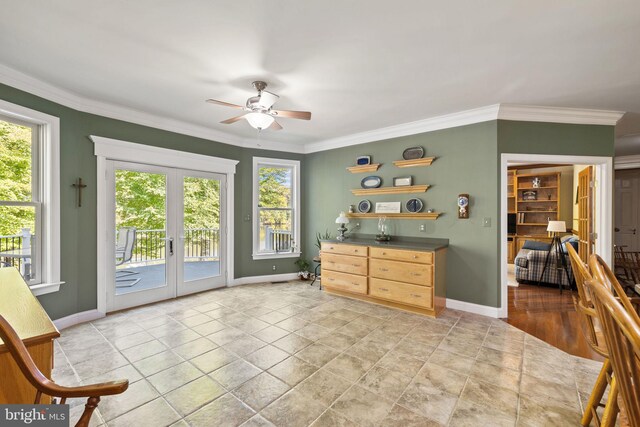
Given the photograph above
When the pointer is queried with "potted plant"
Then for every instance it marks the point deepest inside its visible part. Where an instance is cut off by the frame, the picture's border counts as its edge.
(303, 266)
(320, 236)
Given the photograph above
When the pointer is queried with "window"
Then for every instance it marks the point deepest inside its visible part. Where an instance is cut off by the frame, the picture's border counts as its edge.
(29, 209)
(276, 208)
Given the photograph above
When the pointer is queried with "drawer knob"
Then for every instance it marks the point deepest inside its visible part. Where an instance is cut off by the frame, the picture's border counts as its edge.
(416, 274)
(355, 250)
(416, 295)
(355, 284)
(356, 265)
(384, 253)
(415, 256)
(384, 269)
(331, 279)
(330, 247)
(384, 289)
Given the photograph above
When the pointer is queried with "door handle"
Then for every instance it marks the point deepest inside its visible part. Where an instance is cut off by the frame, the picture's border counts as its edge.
(616, 229)
(634, 230)
(170, 245)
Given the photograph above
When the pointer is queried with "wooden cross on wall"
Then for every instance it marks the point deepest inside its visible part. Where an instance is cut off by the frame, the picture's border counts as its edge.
(78, 185)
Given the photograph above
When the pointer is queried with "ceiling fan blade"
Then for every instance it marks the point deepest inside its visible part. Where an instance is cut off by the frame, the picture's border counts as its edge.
(233, 119)
(275, 126)
(224, 104)
(267, 99)
(303, 115)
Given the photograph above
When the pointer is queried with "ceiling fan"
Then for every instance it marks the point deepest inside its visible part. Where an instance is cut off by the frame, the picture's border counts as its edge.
(259, 111)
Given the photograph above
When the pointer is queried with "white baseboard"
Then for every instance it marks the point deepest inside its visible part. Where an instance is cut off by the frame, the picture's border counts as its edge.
(470, 307)
(74, 319)
(260, 279)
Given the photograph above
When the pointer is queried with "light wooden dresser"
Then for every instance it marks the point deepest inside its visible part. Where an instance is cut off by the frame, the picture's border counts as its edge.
(25, 314)
(405, 275)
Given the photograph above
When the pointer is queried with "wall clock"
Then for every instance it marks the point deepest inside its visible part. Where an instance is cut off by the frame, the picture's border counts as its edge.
(364, 206)
(414, 205)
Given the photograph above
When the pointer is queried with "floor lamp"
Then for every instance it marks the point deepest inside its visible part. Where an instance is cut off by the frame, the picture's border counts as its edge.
(557, 227)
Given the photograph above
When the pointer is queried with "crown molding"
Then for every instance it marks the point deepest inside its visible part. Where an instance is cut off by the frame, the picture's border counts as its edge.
(24, 82)
(528, 113)
(626, 162)
(461, 118)
(578, 116)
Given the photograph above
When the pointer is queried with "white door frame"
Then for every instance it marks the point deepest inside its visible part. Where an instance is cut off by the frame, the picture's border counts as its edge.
(145, 296)
(113, 149)
(604, 207)
(186, 288)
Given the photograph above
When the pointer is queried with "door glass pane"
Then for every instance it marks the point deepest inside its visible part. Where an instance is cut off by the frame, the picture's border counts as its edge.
(18, 239)
(141, 224)
(201, 232)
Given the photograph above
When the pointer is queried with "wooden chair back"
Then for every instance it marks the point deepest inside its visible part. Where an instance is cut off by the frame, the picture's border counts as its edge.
(584, 306)
(44, 385)
(604, 274)
(622, 335)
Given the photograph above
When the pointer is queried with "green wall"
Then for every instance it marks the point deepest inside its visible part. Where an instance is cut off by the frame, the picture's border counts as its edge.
(468, 160)
(78, 225)
(555, 138)
(466, 163)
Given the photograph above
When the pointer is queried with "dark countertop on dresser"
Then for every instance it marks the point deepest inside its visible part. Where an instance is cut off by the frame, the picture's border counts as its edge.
(396, 242)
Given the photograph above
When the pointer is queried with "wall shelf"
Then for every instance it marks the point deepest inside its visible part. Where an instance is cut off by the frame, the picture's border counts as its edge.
(390, 190)
(425, 161)
(404, 215)
(364, 168)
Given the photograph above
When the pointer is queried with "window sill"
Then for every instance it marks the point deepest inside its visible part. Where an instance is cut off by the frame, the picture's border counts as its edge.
(45, 288)
(276, 256)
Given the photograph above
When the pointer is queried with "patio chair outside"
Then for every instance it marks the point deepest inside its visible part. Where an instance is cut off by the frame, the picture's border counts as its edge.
(125, 243)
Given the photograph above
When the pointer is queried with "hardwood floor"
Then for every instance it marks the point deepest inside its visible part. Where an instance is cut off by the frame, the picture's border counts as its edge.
(544, 313)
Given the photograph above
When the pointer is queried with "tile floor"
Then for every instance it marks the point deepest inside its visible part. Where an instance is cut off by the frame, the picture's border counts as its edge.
(290, 355)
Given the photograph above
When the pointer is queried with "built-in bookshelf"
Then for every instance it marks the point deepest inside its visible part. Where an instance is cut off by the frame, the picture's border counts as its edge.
(536, 203)
(511, 196)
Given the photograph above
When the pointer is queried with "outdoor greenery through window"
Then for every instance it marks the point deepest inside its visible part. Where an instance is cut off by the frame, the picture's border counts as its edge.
(276, 208)
(20, 201)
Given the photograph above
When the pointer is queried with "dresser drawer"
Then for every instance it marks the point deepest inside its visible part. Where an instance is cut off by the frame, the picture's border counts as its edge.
(344, 263)
(419, 274)
(341, 248)
(420, 296)
(402, 255)
(343, 281)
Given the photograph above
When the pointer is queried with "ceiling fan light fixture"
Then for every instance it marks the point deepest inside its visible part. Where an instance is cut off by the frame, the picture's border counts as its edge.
(259, 121)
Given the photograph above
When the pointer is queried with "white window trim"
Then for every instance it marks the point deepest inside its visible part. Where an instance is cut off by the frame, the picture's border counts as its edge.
(49, 127)
(296, 207)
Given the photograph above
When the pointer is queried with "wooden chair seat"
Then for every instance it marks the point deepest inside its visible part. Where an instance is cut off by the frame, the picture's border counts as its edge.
(45, 386)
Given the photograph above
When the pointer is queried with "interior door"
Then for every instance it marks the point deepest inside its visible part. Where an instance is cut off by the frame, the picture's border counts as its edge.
(202, 224)
(143, 226)
(585, 213)
(627, 186)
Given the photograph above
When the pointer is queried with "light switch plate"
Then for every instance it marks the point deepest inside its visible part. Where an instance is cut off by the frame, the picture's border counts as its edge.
(486, 222)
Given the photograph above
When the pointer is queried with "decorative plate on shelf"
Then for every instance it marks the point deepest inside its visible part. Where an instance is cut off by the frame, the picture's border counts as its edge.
(414, 205)
(364, 206)
(413, 153)
(372, 181)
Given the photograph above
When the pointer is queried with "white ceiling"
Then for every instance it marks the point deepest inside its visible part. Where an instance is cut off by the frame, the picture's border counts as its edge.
(357, 65)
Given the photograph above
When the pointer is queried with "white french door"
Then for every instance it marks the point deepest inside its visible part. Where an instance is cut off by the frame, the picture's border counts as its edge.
(169, 230)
